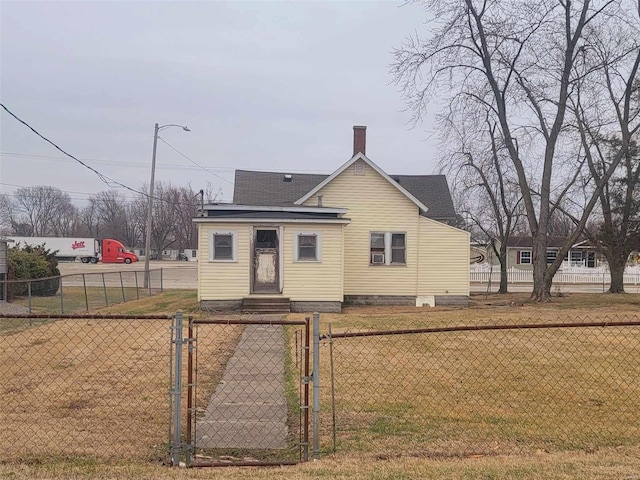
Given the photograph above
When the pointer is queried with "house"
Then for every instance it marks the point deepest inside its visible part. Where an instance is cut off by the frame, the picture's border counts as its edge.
(520, 253)
(357, 236)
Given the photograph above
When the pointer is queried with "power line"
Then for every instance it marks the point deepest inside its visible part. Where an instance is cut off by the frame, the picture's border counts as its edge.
(107, 180)
(87, 194)
(172, 166)
(193, 161)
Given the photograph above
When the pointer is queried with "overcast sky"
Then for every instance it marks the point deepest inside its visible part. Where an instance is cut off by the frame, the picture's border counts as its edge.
(273, 86)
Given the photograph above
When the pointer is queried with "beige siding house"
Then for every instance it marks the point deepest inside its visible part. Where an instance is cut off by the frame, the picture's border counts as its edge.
(520, 253)
(357, 236)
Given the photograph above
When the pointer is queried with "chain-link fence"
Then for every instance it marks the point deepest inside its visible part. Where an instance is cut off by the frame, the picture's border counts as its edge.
(250, 399)
(238, 388)
(480, 390)
(113, 388)
(82, 292)
(86, 386)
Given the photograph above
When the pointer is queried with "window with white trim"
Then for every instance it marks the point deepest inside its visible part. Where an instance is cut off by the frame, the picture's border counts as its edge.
(223, 246)
(306, 246)
(524, 257)
(576, 258)
(388, 248)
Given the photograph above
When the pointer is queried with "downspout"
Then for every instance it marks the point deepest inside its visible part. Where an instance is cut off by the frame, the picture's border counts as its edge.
(418, 259)
(342, 262)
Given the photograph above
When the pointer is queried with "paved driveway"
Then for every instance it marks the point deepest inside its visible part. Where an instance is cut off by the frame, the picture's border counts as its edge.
(174, 274)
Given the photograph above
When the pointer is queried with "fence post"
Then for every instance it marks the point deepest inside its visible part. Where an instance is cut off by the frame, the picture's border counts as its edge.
(61, 297)
(190, 447)
(306, 379)
(137, 289)
(161, 282)
(122, 288)
(104, 287)
(316, 386)
(86, 297)
(29, 289)
(176, 447)
(333, 391)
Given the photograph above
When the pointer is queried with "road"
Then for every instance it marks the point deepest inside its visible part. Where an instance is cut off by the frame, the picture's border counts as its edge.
(174, 274)
(184, 275)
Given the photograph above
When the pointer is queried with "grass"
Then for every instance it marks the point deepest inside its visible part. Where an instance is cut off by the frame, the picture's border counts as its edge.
(74, 300)
(487, 392)
(446, 406)
(100, 385)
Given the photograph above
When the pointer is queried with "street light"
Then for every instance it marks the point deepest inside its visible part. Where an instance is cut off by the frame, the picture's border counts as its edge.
(147, 235)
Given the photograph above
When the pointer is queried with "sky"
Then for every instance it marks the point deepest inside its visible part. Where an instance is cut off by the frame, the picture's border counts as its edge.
(272, 86)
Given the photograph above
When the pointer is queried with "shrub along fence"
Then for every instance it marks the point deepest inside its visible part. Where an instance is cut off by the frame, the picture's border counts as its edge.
(82, 292)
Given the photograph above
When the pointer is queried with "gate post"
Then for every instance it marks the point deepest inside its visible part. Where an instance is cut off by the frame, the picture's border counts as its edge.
(316, 386)
(176, 445)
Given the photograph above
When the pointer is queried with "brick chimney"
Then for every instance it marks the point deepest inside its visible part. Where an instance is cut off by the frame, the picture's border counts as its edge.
(359, 139)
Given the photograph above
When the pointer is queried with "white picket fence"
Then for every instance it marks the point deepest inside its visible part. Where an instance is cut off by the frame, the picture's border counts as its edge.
(481, 273)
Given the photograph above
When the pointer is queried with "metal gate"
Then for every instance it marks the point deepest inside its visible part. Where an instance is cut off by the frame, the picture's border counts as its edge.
(247, 392)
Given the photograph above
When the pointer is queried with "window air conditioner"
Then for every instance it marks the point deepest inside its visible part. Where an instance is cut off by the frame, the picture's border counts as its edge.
(377, 258)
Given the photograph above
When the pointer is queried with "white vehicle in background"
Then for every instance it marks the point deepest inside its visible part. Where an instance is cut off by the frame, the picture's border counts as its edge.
(88, 250)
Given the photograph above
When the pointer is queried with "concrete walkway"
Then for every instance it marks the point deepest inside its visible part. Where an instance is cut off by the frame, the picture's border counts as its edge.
(248, 408)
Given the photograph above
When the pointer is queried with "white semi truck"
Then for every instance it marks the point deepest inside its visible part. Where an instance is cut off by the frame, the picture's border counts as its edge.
(86, 249)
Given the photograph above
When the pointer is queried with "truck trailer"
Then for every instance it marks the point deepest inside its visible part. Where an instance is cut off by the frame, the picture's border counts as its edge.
(88, 250)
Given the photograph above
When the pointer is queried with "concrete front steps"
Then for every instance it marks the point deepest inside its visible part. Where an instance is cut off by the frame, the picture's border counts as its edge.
(266, 305)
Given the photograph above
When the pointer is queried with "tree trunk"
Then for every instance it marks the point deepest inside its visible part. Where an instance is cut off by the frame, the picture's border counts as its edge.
(541, 280)
(504, 280)
(542, 290)
(616, 269)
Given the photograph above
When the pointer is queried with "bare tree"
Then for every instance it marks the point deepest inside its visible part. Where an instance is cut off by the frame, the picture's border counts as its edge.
(520, 59)
(165, 217)
(66, 222)
(115, 217)
(607, 113)
(89, 223)
(6, 215)
(485, 190)
(187, 209)
(38, 208)
(617, 233)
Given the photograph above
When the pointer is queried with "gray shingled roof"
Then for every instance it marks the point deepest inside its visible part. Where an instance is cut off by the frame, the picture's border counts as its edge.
(270, 188)
(552, 242)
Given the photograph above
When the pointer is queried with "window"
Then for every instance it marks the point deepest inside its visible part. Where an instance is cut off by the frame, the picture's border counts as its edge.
(306, 246)
(524, 257)
(193, 253)
(398, 248)
(551, 256)
(223, 247)
(377, 248)
(576, 258)
(358, 168)
(387, 248)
